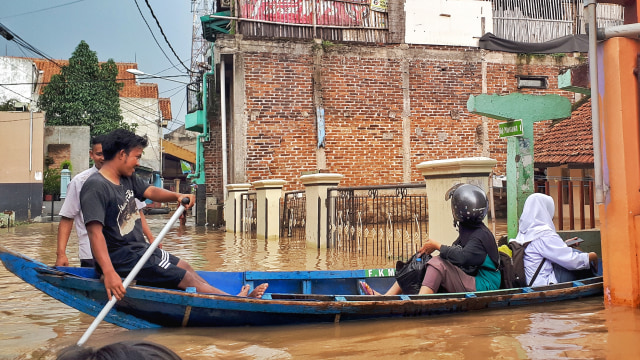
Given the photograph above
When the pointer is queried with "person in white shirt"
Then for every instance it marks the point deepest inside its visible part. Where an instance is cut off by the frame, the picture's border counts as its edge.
(71, 213)
(536, 226)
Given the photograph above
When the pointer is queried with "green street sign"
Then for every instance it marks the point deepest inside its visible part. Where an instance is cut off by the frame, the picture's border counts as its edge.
(510, 128)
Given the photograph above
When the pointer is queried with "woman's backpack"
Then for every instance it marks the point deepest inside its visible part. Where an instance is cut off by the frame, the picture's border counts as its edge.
(512, 266)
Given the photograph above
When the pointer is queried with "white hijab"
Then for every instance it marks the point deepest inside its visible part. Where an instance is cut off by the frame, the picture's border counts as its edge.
(537, 217)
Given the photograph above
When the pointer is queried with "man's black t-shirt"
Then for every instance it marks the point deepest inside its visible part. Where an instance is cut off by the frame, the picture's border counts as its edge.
(115, 208)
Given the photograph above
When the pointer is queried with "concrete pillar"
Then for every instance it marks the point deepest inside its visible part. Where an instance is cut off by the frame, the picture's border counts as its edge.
(530, 109)
(232, 206)
(65, 179)
(440, 176)
(620, 213)
(316, 186)
(268, 194)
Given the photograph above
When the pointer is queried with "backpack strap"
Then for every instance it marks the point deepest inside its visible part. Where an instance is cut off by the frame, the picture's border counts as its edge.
(537, 272)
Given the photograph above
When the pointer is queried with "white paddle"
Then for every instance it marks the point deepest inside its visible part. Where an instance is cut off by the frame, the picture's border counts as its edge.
(134, 272)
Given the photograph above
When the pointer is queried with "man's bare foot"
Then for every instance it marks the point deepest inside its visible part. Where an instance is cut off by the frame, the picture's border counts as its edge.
(259, 290)
(244, 291)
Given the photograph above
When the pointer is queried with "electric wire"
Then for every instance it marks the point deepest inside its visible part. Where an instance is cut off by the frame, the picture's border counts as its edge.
(23, 43)
(39, 10)
(154, 36)
(165, 36)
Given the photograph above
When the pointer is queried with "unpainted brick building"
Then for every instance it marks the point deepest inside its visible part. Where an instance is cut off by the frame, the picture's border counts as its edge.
(386, 108)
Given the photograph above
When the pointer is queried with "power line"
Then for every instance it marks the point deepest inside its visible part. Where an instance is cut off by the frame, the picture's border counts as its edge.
(154, 37)
(35, 11)
(16, 92)
(10, 35)
(165, 36)
(105, 80)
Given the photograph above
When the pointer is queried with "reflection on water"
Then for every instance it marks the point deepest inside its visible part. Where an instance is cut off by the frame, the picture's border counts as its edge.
(36, 326)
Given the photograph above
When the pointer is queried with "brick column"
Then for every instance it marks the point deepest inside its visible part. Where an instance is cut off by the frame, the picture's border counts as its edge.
(232, 206)
(268, 194)
(316, 186)
(440, 176)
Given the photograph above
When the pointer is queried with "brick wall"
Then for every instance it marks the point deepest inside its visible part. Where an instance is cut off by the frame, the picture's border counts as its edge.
(366, 92)
(58, 153)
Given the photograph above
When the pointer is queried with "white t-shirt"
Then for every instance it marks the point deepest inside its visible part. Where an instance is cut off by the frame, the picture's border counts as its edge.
(71, 209)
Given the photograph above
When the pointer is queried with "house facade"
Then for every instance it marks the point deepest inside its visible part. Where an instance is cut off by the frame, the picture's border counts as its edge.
(368, 95)
(21, 140)
(140, 104)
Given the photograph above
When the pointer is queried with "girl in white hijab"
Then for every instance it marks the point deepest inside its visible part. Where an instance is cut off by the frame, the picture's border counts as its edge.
(536, 226)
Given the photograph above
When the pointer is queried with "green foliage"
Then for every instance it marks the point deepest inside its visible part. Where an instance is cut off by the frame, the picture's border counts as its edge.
(51, 181)
(85, 93)
(66, 164)
(8, 105)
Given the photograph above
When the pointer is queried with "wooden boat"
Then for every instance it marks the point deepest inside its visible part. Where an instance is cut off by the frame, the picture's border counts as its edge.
(292, 297)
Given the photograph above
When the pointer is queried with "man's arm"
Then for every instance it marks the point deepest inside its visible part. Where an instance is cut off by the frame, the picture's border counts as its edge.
(64, 231)
(163, 195)
(112, 281)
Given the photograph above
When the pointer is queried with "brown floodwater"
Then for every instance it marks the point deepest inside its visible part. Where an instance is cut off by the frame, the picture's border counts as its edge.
(35, 326)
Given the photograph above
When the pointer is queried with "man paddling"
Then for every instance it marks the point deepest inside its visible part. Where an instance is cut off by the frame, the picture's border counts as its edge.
(113, 224)
(71, 214)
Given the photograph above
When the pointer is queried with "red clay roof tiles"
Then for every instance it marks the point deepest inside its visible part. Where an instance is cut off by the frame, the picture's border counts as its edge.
(568, 142)
(130, 89)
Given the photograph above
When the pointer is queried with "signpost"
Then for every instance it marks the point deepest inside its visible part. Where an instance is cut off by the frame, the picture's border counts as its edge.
(510, 128)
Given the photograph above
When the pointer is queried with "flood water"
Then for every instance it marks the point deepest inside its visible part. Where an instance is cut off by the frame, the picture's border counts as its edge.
(35, 326)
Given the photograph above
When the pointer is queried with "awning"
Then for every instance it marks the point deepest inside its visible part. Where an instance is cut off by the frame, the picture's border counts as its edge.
(181, 153)
(565, 44)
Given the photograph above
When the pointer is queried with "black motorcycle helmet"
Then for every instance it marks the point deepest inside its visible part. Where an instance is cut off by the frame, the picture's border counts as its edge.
(469, 203)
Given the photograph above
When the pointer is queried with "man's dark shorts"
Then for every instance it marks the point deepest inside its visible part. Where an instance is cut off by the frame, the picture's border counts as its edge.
(159, 271)
(87, 263)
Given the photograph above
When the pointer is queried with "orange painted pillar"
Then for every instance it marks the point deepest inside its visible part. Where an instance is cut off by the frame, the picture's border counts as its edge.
(620, 223)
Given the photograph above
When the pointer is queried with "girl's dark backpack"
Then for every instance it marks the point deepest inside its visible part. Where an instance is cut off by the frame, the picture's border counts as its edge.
(512, 267)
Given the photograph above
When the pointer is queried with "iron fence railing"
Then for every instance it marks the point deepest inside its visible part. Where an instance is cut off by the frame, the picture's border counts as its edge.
(387, 220)
(294, 215)
(248, 214)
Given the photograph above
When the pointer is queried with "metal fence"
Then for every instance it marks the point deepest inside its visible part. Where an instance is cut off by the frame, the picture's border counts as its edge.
(294, 215)
(331, 20)
(544, 20)
(248, 214)
(383, 220)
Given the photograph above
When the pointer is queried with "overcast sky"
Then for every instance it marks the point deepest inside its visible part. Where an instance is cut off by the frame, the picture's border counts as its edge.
(113, 29)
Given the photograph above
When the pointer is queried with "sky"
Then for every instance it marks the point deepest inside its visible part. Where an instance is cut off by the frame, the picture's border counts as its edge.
(114, 29)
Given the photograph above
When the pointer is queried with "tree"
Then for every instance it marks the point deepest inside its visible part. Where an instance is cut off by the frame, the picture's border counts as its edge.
(85, 93)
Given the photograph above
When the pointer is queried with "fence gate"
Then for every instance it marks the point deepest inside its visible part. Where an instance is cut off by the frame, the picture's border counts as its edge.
(388, 220)
(294, 215)
(248, 214)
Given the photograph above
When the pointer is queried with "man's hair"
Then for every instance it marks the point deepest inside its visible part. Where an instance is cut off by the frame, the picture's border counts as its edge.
(98, 139)
(123, 350)
(121, 139)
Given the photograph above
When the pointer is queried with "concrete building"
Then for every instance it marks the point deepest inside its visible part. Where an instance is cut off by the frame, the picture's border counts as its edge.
(21, 134)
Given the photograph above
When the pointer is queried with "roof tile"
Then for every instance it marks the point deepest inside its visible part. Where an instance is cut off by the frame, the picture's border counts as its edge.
(569, 141)
(130, 89)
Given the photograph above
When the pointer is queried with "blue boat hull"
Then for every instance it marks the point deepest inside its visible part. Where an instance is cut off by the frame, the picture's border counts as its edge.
(294, 297)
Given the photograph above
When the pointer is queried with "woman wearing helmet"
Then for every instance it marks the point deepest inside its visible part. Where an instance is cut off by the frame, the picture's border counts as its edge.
(470, 263)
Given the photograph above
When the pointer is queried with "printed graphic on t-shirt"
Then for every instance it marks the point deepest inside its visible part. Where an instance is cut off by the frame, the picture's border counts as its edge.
(128, 214)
